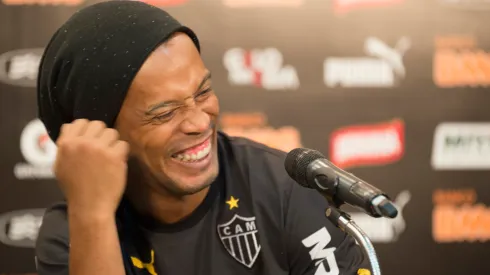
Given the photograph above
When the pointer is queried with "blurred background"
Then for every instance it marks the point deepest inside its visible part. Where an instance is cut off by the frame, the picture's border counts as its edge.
(395, 91)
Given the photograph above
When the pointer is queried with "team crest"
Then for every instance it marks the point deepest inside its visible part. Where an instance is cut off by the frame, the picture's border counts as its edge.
(240, 238)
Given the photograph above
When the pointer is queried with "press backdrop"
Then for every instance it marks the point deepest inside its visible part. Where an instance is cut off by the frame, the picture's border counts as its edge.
(394, 91)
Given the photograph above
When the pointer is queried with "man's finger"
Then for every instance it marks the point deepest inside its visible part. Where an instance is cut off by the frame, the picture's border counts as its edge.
(94, 129)
(109, 136)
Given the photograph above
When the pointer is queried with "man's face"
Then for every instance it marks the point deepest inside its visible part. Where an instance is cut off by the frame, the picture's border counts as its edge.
(169, 118)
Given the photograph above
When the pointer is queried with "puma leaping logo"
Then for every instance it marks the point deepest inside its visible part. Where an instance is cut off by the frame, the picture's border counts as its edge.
(398, 223)
(384, 229)
(148, 266)
(393, 56)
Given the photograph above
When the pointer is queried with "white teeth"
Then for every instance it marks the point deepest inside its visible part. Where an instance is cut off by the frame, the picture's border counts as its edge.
(200, 154)
(196, 156)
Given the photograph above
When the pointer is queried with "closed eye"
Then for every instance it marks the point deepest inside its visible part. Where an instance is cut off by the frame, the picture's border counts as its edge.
(165, 116)
(204, 94)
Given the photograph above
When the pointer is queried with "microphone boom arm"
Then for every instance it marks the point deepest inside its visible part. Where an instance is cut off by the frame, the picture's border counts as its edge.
(343, 221)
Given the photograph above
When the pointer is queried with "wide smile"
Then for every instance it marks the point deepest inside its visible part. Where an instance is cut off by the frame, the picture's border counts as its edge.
(198, 156)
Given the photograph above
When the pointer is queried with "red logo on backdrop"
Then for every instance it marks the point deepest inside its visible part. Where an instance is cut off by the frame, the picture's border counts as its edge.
(165, 3)
(344, 6)
(370, 144)
(264, 68)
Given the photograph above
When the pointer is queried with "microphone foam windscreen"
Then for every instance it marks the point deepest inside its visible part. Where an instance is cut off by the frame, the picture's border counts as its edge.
(297, 161)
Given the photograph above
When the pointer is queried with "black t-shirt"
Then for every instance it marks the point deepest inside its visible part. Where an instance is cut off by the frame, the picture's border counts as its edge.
(254, 220)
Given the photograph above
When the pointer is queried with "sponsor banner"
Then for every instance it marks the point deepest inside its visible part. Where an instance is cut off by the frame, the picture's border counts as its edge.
(39, 152)
(345, 6)
(20, 67)
(461, 146)
(254, 126)
(384, 230)
(300, 57)
(262, 3)
(263, 68)
(460, 62)
(20, 228)
(368, 144)
(383, 66)
(459, 217)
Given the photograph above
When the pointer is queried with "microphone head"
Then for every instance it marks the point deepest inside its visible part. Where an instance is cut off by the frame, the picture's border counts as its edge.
(297, 161)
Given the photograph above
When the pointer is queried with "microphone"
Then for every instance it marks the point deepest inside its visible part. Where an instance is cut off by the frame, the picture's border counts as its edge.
(310, 169)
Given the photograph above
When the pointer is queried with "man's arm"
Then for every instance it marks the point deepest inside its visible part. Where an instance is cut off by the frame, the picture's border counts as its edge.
(92, 248)
(315, 246)
(91, 170)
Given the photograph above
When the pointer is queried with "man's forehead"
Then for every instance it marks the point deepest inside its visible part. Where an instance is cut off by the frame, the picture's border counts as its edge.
(176, 54)
(172, 72)
(178, 47)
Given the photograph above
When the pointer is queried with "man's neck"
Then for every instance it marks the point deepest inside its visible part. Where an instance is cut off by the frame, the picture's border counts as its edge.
(164, 206)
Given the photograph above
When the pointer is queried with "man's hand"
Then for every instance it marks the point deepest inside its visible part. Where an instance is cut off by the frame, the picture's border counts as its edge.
(91, 165)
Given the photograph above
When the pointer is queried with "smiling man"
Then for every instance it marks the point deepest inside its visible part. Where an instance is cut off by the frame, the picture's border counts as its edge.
(151, 185)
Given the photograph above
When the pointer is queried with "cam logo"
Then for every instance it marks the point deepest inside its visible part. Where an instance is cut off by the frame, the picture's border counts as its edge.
(148, 266)
(240, 238)
(317, 243)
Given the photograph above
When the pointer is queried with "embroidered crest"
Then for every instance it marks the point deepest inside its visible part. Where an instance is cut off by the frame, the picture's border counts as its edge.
(240, 238)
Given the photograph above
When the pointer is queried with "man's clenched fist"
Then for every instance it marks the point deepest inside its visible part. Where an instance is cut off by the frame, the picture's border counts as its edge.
(91, 165)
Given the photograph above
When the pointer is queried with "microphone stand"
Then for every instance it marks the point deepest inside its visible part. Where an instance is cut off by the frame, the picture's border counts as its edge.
(343, 221)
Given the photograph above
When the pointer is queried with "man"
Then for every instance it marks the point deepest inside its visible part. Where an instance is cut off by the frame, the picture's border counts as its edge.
(151, 186)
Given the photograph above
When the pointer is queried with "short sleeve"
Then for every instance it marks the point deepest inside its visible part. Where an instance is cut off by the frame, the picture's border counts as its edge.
(315, 245)
(52, 245)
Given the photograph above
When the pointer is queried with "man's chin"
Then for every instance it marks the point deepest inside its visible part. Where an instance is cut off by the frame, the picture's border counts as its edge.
(184, 187)
(191, 190)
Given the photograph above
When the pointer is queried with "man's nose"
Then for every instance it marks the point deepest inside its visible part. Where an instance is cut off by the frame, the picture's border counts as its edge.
(196, 121)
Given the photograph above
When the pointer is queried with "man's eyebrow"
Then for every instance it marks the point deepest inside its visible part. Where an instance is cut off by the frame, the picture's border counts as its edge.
(163, 104)
(204, 80)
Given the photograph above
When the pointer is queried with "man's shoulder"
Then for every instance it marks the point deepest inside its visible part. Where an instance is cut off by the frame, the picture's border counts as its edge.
(55, 222)
(53, 239)
(57, 212)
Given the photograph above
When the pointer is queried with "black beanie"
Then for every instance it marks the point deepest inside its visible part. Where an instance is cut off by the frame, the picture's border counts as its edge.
(90, 62)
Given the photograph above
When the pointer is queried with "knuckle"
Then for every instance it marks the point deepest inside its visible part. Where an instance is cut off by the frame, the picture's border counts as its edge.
(112, 132)
(97, 123)
(81, 121)
(64, 127)
(87, 145)
(122, 147)
(61, 142)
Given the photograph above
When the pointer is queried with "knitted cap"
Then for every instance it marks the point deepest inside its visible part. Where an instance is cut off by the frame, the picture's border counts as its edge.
(90, 62)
